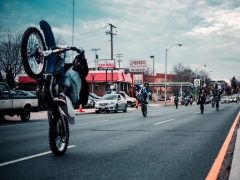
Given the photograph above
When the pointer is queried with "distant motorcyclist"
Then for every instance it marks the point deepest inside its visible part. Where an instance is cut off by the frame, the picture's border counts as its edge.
(216, 91)
(144, 92)
(176, 99)
(201, 99)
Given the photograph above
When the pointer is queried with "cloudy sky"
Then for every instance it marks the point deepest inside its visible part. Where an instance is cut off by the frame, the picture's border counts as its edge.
(208, 30)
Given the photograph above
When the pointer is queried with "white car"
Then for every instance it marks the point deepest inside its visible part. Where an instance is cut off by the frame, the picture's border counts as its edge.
(111, 102)
(131, 102)
(16, 103)
(225, 99)
(233, 99)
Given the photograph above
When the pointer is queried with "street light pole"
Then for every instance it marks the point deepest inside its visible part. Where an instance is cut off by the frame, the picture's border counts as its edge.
(153, 72)
(196, 78)
(166, 72)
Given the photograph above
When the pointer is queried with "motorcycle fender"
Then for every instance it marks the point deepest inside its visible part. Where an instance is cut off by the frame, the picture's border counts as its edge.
(69, 111)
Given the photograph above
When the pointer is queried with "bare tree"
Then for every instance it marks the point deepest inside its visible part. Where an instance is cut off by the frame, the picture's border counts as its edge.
(10, 54)
(148, 74)
(183, 73)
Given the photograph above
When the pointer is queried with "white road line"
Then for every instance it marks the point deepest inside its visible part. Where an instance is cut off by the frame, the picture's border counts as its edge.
(21, 124)
(30, 157)
(90, 123)
(196, 112)
(163, 121)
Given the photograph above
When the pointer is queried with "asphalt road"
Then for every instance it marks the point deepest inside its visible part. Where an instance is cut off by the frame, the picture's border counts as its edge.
(167, 144)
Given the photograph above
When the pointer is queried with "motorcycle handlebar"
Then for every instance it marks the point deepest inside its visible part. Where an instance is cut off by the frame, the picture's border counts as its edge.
(62, 48)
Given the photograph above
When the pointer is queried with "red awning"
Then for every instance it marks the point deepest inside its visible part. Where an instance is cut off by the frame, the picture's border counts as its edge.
(101, 77)
(25, 79)
(127, 78)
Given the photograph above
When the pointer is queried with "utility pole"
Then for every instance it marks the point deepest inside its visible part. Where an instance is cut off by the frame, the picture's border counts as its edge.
(96, 57)
(111, 35)
(73, 26)
(119, 60)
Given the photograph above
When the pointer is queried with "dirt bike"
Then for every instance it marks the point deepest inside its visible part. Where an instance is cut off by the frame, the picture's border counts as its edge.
(45, 63)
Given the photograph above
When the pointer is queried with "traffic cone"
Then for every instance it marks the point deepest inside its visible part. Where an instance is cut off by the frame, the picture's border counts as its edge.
(80, 108)
(137, 104)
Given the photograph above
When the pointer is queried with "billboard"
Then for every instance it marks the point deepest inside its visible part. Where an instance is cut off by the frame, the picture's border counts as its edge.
(138, 65)
(106, 64)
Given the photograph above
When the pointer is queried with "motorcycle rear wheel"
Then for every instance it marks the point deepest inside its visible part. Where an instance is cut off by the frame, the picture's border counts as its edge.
(31, 47)
(144, 109)
(58, 136)
(217, 105)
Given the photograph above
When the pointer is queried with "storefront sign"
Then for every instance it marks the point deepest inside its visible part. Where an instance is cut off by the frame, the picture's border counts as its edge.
(138, 66)
(106, 65)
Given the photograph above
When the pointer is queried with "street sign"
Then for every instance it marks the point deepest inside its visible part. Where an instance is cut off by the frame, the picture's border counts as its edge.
(196, 82)
(138, 66)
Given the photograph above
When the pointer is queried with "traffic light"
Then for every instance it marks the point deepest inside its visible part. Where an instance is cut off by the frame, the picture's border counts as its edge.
(96, 56)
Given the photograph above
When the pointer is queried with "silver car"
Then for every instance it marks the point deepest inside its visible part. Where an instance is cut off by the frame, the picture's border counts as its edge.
(111, 102)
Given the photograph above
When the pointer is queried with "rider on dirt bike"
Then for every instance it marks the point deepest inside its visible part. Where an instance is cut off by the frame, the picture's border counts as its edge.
(216, 91)
(75, 85)
(201, 99)
(144, 92)
(176, 99)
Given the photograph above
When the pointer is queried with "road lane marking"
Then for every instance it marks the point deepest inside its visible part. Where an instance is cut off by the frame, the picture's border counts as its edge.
(21, 124)
(196, 112)
(90, 123)
(163, 121)
(215, 169)
(30, 157)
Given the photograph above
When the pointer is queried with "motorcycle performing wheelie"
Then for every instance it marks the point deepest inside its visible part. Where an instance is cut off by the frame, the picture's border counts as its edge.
(45, 63)
(216, 96)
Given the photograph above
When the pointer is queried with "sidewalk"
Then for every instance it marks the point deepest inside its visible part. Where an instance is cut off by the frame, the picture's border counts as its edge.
(235, 166)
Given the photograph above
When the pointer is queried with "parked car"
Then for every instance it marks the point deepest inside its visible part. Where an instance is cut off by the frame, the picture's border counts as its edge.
(90, 104)
(94, 96)
(12, 103)
(224, 99)
(111, 102)
(208, 101)
(162, 98)
(24, 93)
(131, 102)
(233, 99)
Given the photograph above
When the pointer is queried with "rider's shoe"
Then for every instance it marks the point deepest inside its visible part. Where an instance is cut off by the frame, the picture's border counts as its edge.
(60, 99)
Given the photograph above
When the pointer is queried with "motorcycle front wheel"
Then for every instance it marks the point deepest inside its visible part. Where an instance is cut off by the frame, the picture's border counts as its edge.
(58, 136)
(144, 109)
(31, 47)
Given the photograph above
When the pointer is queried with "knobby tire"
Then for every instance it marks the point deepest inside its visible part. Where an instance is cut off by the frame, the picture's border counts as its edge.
(58, 138)
(144, 109)
(27, 46)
